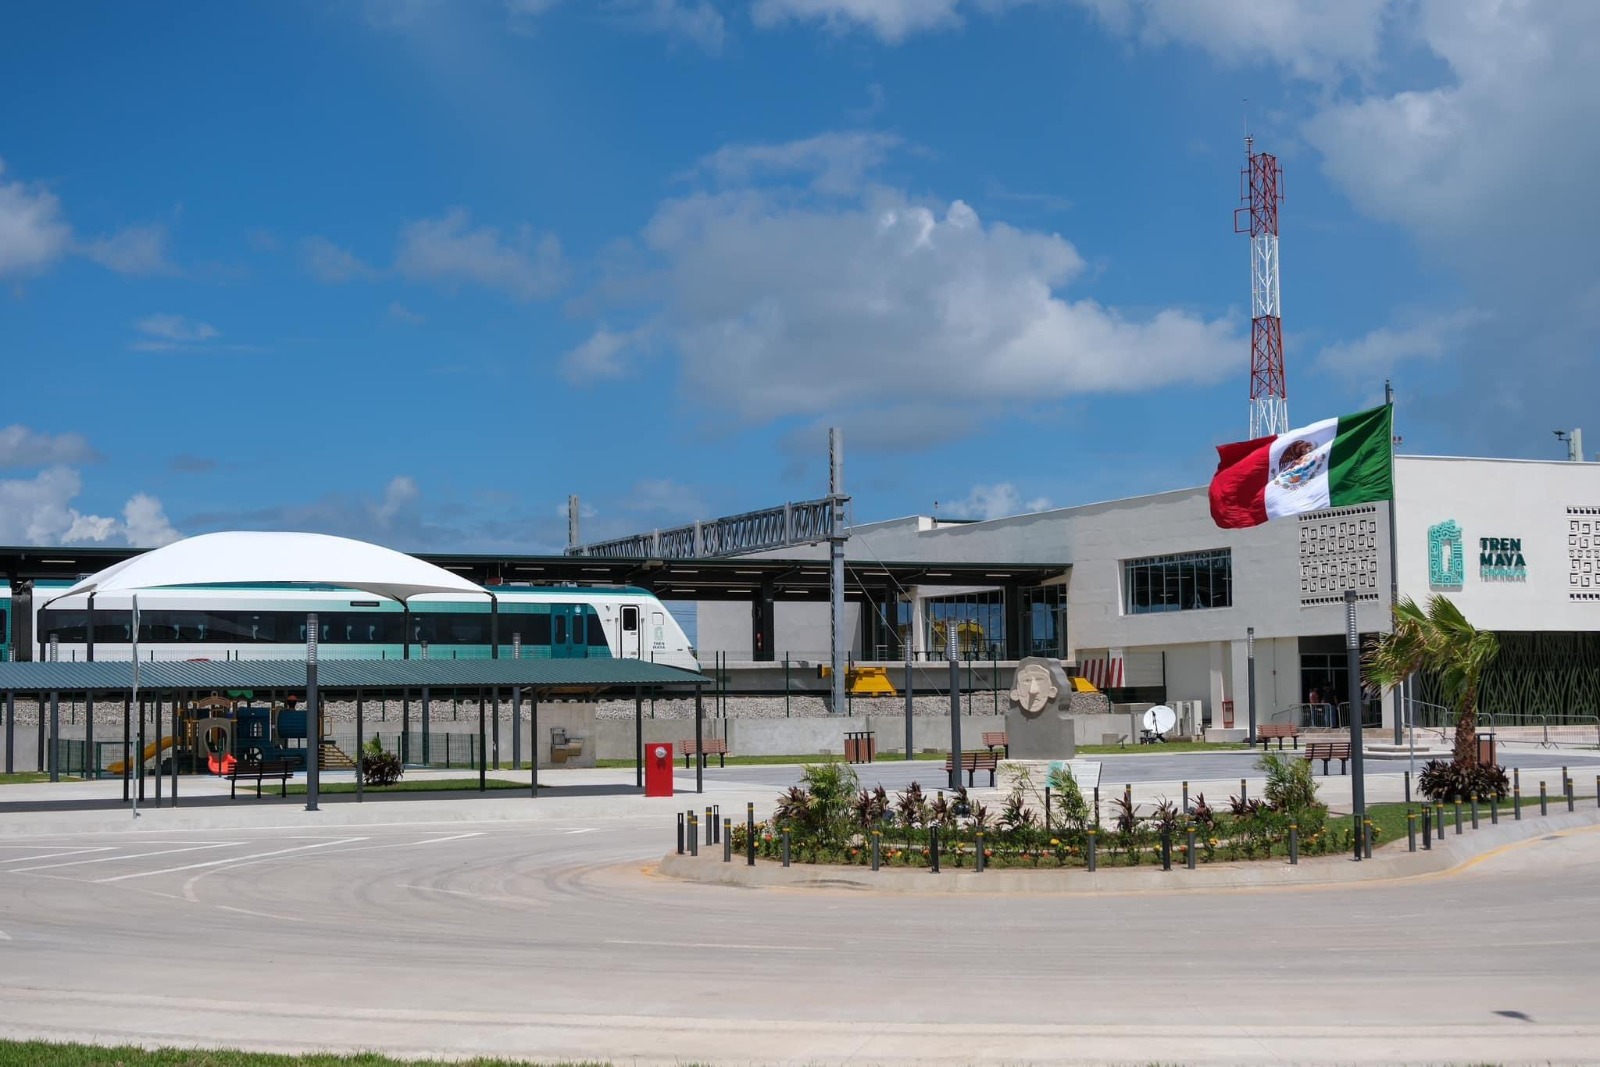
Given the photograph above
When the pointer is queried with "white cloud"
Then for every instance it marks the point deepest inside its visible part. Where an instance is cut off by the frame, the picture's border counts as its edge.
(605, 354)
(838, 162)
(892, 20)
(992, 502)
(23, 447)
(1312, 38)
(136, 250)
(39, 511)
(1431, 338)
(400, 494)
(166, 333)
(33, 234)
(695, 22)
(327, 262)
(449, 251)
(881, 300)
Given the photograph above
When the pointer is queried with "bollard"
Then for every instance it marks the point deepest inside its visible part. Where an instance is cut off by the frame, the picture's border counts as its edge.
(1597, 790)
(1516, 778)
(933, 849)
(1189, 858)
(1494, 809)
(1474, 811)
(1458, 816)
(1186, 797)
(1427, 831)
(1366, 835)
(749, 835)
(1411, 831)
(1565, 779)
(877, 847)
(1166, 849)
(1571, 799)
(1244, 791)
(977, 858)
(711, 827)
(680, 833)
(716, 820)
(786, 848)
(726, 833)
(1544, 799)
(1408, 787)
(694, 836)
(1294, 842)
(1090, 851)
(1047, 810)
(1516, 803)
(1356, 835)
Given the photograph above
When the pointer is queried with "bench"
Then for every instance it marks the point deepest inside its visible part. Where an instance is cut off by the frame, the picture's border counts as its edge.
(1329, 750)
(280, 769)
(1280, 730)
(711, 746)
(997, 739)
(973, 762)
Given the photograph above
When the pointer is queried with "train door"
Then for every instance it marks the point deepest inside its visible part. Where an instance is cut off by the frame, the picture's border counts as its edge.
(630, 633)
(569, 638)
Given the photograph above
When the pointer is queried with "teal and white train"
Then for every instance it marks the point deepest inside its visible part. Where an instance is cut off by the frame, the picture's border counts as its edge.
(269, 622)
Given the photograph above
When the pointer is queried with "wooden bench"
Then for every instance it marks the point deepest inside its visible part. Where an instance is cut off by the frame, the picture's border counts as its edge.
(997, 739)
(280, 769)
(1280, 730)
(1329, 750)
(973, 762)
(711, 746)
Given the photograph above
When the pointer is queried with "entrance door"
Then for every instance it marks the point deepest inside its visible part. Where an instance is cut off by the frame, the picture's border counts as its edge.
(629, 631)
(566, 642)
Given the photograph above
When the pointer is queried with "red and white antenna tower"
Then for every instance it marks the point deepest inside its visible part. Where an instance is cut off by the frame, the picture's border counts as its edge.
(1262, 191)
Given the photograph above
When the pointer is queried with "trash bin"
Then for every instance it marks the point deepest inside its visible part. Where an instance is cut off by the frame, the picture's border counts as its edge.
(1486, 749)
(860, 746)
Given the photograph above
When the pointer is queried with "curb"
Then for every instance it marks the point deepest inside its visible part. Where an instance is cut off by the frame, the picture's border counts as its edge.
(1387, 864)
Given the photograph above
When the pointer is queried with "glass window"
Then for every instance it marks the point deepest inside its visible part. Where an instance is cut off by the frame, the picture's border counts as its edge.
(630, 620)
(560, 628)
(1191, 581)
(597, 629)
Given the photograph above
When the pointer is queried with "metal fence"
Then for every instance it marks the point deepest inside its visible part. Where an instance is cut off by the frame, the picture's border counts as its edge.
(1546, 730)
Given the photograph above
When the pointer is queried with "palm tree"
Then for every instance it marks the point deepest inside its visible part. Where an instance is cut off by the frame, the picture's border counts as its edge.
(1441, 641)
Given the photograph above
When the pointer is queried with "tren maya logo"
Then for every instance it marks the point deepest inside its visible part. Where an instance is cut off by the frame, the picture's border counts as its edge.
(1447, 562)
(1500, 559)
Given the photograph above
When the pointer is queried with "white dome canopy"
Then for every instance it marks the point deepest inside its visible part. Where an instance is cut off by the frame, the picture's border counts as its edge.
(258, 557)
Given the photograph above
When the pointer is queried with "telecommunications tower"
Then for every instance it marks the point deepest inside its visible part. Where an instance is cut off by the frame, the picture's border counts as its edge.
(1261, 191)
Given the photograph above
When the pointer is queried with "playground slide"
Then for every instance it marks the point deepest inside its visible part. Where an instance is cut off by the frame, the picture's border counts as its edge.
(150, 752)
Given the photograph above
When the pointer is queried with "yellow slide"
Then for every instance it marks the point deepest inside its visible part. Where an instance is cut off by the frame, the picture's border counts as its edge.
(150, 752)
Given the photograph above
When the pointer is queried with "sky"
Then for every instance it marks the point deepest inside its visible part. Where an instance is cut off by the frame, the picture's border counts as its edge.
(414, 271)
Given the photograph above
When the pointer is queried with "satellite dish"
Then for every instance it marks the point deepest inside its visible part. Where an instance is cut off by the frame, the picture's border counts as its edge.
(1159, 719)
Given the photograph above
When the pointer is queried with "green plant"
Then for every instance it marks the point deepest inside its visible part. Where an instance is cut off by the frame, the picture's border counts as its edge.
(1442, 642)
(1450, 780)
(1072, 811)
(379, 768)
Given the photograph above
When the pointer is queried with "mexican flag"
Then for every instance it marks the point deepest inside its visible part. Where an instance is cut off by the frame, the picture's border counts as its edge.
(1329, 464)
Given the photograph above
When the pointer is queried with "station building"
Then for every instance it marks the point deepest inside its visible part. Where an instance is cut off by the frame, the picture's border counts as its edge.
(1153, 602)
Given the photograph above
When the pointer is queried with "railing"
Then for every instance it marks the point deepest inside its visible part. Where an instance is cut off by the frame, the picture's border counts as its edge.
(1309, 717)
(1545, 730)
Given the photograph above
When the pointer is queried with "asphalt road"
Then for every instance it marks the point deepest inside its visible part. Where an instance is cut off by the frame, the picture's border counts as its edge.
(555, 939)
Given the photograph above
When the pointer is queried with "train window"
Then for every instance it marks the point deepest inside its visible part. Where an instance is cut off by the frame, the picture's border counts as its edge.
(630, 618)
(559, 628)
(535, 629)
(4, 618)
(597, 630)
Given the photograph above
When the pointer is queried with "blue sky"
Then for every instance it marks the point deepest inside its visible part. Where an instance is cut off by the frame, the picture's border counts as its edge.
(414, 271)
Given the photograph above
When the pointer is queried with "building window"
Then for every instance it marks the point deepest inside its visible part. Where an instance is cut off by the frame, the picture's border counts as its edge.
(1186, 582)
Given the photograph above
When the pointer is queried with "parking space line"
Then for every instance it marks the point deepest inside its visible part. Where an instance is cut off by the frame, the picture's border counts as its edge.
(121, 856)
(57, 855)
(229, 859)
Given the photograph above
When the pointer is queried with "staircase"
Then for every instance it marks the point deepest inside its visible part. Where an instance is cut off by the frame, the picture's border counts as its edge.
(335, 758)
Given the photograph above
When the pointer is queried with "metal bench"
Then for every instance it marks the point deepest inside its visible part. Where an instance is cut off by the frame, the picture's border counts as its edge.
(711, 746)
(994, 739)
(973, 762)
(1329, 750)
(1279, 730)
(280, 769)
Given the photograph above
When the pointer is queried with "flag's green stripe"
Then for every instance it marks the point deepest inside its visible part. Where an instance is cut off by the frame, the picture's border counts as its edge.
(1361, 468)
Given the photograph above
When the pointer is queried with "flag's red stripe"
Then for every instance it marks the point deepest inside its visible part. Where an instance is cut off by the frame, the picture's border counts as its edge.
(1239, 488)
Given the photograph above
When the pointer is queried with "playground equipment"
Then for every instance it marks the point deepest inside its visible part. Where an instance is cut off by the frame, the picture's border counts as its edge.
(151, 751)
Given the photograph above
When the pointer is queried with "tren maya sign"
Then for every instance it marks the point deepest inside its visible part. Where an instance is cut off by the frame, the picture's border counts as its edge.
(1500, 559)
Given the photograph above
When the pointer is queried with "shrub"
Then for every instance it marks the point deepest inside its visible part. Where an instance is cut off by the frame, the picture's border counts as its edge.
(378, 767)
(1448, 780)
(1072, 811)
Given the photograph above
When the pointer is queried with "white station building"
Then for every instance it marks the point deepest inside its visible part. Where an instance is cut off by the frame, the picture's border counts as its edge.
(1154, 602)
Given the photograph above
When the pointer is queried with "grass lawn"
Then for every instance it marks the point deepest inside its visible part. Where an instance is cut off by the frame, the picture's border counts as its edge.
(420, 785)
(42, 1054)
(1389, 820)
(28, 777)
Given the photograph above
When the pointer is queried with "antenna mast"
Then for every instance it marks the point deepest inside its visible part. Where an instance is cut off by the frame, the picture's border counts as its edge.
(1262, 192)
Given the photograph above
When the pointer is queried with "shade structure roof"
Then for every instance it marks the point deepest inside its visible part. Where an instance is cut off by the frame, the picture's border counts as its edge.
(261, 557)
(106, 676)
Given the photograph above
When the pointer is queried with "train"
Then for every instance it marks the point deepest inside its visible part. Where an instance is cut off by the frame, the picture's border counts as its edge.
(269, 622)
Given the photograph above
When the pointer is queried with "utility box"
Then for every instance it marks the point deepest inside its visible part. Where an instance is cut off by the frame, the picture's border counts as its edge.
(658, 769)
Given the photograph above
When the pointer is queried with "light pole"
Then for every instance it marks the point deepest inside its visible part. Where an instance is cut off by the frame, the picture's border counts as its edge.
(955, 708)
(313, 715)
(1358, 790)
(1250, 675)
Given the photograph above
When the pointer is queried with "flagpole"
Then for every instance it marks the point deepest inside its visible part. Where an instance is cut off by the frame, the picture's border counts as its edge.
(135, 636)
(1394, 555)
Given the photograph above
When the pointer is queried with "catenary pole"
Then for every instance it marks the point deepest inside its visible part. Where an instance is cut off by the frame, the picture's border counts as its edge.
(1358, 784)
(1394, 552)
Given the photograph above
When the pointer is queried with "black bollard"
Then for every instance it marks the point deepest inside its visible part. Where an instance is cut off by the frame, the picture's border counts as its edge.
(680, 833)
(711, 827)
(1572, 801)
(1189, 857)
(749, 835)
(1294, 842)
(933, 849)
(1544, 799)
(1090, 852)
(726, 832)
(977, 860)
(716, 820)
(1185, 796)
(1355, 835)
(1427, 831)
(1494, 809)
(694, 836)
(1474, 811)
(1244, 791)
(1166, 849)
(1411, 831)
(786, 848)
(1408, 787)
(877, 847)
(1516, 803)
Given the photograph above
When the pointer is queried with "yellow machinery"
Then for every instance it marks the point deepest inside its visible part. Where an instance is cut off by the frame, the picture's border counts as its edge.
(863, 681)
